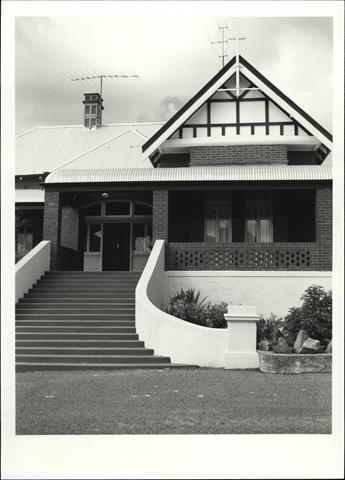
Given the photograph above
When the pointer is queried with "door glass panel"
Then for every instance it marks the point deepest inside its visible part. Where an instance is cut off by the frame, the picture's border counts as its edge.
(140, 209)
(95, 238)
(117, 208)
(142, 234)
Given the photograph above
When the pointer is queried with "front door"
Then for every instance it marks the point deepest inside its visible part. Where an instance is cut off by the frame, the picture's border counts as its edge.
(116, 246)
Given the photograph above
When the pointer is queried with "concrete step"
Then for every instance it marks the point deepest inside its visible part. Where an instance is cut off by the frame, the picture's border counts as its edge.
(118, 359)
(41, 366)
(74, 316)
(75, 336)
(98, 289)
(76, 323)
(73, 302)
(87, 282)
(65, 309)
(90, 296)
(75, 273)
(83, 351)
(68, 343)
(75, 329)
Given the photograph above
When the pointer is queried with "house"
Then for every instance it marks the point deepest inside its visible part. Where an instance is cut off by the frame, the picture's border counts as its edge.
(238, 183)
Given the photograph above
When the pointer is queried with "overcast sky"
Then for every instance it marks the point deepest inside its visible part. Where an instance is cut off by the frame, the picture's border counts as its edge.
(172, 56)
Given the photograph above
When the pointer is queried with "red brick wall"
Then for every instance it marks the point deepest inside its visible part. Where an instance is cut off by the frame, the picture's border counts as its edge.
(160, 215)
(323, 213)
(238, 154)
(52, 225)
(69, 227)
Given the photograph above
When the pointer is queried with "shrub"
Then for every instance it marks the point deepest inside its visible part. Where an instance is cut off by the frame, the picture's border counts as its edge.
(269, 330)
(314, 316)
(215, 315)
(187, 305)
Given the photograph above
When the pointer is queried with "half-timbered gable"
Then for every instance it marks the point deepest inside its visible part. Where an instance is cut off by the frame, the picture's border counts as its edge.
(248, 117)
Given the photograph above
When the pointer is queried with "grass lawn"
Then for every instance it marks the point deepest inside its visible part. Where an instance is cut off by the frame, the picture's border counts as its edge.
(190, 401)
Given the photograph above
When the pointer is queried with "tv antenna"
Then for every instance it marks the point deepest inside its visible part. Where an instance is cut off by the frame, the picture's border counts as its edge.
(222, 42)
(86, 77)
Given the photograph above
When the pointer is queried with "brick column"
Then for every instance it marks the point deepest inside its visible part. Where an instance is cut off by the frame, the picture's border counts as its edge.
(52, 225)
(160, 203)
(323, 217)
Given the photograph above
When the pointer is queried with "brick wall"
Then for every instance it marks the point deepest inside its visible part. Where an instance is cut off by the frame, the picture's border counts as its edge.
(160, 215)
(52, 225)
(238, 154)
(323, 212)
(69, 227)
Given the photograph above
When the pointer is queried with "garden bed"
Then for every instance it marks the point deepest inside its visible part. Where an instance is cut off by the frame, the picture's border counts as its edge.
(271, 362)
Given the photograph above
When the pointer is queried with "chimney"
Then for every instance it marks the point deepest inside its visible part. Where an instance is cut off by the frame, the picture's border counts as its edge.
(93, 110)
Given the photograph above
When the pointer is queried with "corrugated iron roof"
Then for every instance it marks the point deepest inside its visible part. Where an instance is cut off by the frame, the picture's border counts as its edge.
(43, 149)
(26, 195)
(231, 173)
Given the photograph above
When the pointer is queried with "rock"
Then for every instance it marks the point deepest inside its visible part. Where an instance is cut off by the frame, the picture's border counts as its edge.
(329, 347)
(300, 339)
(282, 346)
(310, 346)
(264, 345)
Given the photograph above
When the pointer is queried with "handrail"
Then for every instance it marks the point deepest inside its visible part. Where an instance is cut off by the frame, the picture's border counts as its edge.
(31, 267)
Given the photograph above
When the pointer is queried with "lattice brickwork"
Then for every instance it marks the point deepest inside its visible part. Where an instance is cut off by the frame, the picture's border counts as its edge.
(240, 256)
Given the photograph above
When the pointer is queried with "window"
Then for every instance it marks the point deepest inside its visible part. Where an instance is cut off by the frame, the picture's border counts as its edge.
(87, 123)
(142, 209)
(218, 223)
(258, 222)
(95, 235)
(93, 109)
(87, 109)
(142, 234)
(117, 208)
(93, 122)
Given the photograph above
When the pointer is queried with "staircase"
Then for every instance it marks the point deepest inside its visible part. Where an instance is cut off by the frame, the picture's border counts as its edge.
(81, 320)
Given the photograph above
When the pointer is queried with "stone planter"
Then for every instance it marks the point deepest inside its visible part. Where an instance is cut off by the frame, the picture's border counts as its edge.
(271, 362)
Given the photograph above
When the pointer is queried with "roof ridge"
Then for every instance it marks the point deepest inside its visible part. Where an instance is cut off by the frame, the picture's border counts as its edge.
(37, 127)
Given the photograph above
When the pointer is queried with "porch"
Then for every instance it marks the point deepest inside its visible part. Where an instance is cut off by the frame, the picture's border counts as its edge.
(207, 224)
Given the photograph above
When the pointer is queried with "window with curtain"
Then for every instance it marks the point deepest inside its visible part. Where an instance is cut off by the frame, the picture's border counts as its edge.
(258, 222)
(218, 223)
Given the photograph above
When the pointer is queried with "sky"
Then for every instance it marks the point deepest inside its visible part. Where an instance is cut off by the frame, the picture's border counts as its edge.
(173, 57)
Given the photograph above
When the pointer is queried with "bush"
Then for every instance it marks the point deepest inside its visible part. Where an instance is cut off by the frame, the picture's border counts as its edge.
(269, 330)
(314, 316)
(187, 305)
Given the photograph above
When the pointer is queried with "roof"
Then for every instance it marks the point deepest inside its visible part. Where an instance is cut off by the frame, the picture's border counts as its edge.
(26, 195)
(43, 149)
(215, 83)
(227, 173)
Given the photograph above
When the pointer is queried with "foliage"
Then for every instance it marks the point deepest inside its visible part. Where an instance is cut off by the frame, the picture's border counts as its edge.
(314, 316)
(269, 329)
(187, 305)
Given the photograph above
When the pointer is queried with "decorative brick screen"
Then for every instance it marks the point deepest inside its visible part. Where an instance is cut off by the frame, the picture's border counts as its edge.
(242, 256)
(238, 154)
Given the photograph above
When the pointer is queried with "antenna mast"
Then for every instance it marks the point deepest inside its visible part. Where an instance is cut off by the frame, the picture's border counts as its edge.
(100, 77)
(222, 43)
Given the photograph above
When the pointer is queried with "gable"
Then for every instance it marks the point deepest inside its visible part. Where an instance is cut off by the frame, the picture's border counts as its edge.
(253, 114)
(225, 111)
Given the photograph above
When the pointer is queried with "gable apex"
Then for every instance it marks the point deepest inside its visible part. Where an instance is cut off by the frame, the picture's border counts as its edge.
(223, 82)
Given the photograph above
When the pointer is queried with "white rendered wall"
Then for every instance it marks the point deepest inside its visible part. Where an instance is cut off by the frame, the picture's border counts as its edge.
(182, 341)
(31, 267)
(270, 292)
